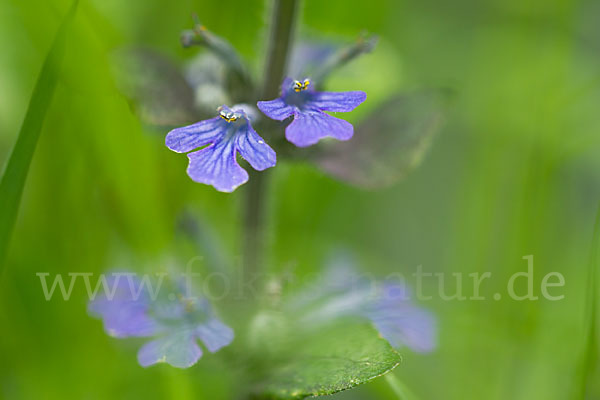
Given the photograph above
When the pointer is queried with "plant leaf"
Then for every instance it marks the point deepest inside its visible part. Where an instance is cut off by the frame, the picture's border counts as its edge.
(15, 173)
(327, 361)
(156, 88)
(388, 144)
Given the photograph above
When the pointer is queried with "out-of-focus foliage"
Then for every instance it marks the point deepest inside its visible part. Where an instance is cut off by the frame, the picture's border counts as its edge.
(15, 174)
(157, 89)
(514, 171)
(388, 144)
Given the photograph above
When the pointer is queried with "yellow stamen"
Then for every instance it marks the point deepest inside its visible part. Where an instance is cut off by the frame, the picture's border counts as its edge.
(229, 117)
(300, 86)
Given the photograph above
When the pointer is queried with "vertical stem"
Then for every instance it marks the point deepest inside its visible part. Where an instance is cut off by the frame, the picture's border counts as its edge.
(399, 388)
(282, 26)
(284, 15)
(589, 358)
(254, 211)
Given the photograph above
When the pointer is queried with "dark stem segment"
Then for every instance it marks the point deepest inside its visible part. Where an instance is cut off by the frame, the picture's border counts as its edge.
(284, 13)
(282, 26)
(254, 225)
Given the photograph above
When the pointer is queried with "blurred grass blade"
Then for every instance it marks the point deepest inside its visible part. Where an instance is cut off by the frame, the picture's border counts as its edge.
(15, 173)
(589, 357)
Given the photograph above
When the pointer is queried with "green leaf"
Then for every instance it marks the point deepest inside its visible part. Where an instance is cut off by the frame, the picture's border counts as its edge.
(326, 361)
(13, 179)
(388, 144)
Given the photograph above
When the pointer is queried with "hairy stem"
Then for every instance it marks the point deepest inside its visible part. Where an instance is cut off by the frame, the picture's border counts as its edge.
(282, 26)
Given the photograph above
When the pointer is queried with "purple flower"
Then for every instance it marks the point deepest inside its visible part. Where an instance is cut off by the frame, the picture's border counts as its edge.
(399, 321)
(175, 322)
(342, 293)
(311, 123)
(227, 134)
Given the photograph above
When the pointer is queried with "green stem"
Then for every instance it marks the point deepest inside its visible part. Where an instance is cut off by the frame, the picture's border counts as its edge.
(589, 356)
(254, 211)
(364, 44)
(284, 16)
(282, 26)
(399, 388)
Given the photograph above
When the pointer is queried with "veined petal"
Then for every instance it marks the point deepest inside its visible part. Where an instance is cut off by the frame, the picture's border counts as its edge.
(337, 101)
(276, 109)
(193, 136)
(254, 149)
(214, 334)
(311, 126)
(178, 349)
(216, 165)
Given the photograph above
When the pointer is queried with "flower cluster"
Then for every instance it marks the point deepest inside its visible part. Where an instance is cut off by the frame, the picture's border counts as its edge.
(180, 325)
(230, 132)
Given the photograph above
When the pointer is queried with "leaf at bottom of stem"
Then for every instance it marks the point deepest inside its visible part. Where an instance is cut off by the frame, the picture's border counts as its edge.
(327, 361)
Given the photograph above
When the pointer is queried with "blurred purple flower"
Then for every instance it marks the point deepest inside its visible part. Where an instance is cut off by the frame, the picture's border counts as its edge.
(342, 293)
(311, 123)
(308, 56)
(176, 323)
(227, 134)
(399, 321)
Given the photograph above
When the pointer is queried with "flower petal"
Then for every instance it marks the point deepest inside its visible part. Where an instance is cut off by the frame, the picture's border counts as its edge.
(343, 293)
(216, 165)
(337, 101)
(123, 314)
(215, 334)
(310, 126)
(178, 349)
(193, 136)
(276, 109)
(405, 326)
(254, 149)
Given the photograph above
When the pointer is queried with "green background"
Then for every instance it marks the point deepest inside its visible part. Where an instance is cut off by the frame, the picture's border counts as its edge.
(514, 171)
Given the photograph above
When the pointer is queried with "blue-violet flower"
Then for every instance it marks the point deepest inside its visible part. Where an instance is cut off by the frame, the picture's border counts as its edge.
(175, 322)
(227, 134)
(308, 106)
(342, 293)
